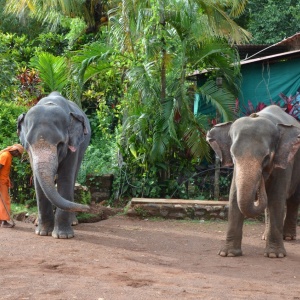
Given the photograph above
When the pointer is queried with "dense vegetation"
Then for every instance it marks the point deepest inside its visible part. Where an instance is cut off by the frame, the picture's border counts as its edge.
(126, 64)
(271, 21)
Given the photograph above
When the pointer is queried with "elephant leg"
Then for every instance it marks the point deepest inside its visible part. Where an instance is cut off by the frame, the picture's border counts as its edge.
(63, 219)
(81, 152)
(45, 212)
(233, 244)
(62, 228)
(65, 186)
(290, 222)
(274, 242)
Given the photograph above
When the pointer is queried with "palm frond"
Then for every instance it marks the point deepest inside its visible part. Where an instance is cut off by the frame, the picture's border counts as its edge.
(196, 143)
(159, 146)
(221, 99)
(53, 71)
(143, 81)
(237, 7)
(87, 63)
(50, 11)
(221, 23)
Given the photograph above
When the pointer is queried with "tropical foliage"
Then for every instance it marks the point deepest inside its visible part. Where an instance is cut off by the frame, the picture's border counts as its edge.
(161, 46)
(128, 64)
(270, 21)
(290, 104)
(52, 12)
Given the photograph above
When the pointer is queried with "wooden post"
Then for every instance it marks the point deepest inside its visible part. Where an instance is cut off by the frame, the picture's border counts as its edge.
(217, 178)
(219, 83)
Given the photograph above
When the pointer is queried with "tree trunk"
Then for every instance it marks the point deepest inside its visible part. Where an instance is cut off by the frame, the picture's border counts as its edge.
(162, 22)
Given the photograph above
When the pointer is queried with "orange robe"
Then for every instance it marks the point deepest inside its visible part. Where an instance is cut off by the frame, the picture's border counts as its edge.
(5, 160)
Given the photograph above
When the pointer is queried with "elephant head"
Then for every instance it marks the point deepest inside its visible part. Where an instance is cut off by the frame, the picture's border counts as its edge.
(49, 132)
(255, 146)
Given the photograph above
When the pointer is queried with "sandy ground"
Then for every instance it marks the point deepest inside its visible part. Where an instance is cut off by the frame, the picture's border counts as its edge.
(126, 258)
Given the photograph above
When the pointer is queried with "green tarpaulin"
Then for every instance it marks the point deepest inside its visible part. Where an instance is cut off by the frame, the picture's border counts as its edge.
(263, 82)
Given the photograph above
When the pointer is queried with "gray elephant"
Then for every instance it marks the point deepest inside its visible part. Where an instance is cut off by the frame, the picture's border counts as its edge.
(263, 148)
(55, 133)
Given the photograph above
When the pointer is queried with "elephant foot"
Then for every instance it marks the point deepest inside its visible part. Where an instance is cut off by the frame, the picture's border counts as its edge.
(289, 236)
(230, 252)
(74, 221)
(63, 233)
(289, 233)
(43, 231)
(275, 252)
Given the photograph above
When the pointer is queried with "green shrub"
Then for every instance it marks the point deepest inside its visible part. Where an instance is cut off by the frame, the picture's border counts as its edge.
(51, 42)
(9, 113)
(8, 68)
(19, 48)
(21, 174)
(100, 158)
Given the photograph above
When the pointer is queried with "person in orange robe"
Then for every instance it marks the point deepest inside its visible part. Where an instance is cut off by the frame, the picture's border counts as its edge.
(6, 156)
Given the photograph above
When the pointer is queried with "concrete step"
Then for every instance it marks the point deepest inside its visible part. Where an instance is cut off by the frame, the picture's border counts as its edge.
(178, 209)
(177, 201)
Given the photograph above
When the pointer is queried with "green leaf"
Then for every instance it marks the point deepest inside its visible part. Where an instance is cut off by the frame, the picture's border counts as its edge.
(53, 71)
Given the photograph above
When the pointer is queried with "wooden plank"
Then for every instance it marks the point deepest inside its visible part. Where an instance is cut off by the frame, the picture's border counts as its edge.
(177, 201)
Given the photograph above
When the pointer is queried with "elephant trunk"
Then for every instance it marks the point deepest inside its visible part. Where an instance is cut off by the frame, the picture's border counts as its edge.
(251, 193)
(44, 164)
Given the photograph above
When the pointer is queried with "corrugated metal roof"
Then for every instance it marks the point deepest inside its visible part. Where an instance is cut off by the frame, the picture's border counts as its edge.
(246, 51)
(292, 42)
(275, 57)
(270, 57)
(287, 44)
(285, 49)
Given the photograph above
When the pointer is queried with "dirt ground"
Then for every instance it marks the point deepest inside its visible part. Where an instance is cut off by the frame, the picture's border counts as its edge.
(126, 258)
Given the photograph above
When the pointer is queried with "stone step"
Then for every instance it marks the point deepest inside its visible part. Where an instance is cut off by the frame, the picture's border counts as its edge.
(178, 208)
(177, 201)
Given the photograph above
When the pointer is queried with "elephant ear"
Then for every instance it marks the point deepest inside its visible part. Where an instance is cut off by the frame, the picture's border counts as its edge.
(289, 143)
(219, 139)
(20, 133)
(77, 131)
(19, 121)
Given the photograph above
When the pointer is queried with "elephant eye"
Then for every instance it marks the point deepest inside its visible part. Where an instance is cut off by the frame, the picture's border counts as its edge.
(60, 145)
(266, 161)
